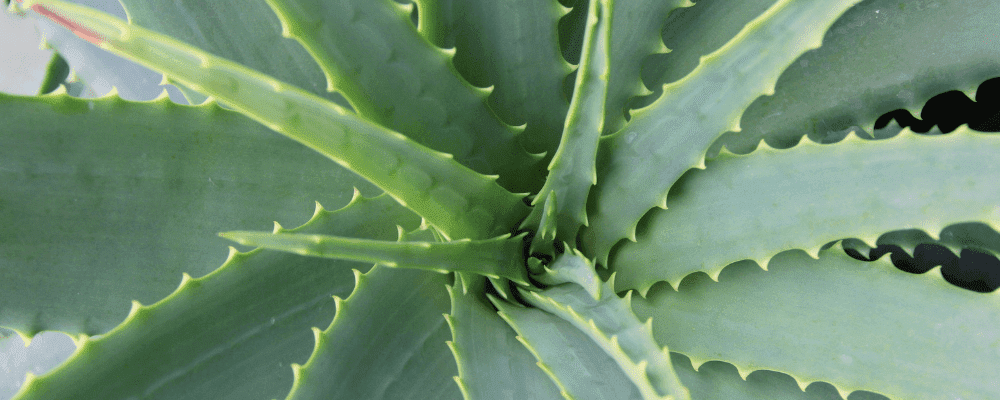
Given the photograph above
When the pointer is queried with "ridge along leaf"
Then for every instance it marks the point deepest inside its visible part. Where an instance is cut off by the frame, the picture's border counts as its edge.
(457, 200)
(752, 206)
(572, 171)
(670, 136)
(831, 319)
(498, 257)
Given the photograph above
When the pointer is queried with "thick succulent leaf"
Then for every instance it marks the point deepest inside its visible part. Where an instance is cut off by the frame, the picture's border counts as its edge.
(523, 64)
(572, 170)
(457, 200)
(371, 52)
(492, 364)
(131, 195)
(609, 323)
(56, 73)
(693, 32)
(502, 256)
(387, 340)
(229, 335)
(857, 325)
(580, 368)
(879, 57)
(753, 206)
(97, 72)
(720, 380)
(246, 32)
(671, 135)
(631, 42)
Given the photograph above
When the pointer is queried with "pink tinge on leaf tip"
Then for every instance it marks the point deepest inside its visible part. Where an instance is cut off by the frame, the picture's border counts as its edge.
(77, 29)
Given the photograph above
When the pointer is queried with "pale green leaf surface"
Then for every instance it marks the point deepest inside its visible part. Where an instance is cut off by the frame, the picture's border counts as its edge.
(720, 380)
(104, 201)
(492, 364)
(512, 46)
(457, 200)
(753, 206)
(572, 170)
(857, 325)
(371, 52)
(582, 370)
(671, 135)
(609, 323)
(229, 335)
(634, 36)
(881, 56)
(693, 32)
(502, 256)
(245, 32)
(387, 340)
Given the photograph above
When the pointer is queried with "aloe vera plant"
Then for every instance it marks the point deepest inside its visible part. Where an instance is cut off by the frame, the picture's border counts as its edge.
(524, 199)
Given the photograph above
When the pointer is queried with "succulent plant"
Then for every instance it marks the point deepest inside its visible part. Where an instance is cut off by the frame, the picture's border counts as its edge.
(521, 199)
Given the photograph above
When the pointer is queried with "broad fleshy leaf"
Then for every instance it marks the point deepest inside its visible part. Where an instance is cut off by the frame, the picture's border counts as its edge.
(387, 340)
(231, 334)
(523, 66)
(879, 57)
(492, 364)
(671, 135)
(371, 52)
(580, 368)
(105, 201)
(457, 200)
(753, 206)
(609, 323)
(857, 325)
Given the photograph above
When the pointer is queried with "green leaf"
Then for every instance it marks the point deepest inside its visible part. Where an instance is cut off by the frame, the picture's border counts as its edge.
(498, 257)
(245, 32)
(609, 323)
(371, 52)
(523, 65)
(572, 170)
(56, 73)
(847, 82)
(363, 355)
(720, 380)
(857, 325)
(753, 206)
(492, 364)
(580, 368)
(104, 201)
(459, 201)
(633, 38)
(229, 335)
(671, 136)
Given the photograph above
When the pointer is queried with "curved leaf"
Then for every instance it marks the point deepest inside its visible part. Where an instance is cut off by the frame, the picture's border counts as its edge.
(523, 65)
(231, 334)
(879, 57)
(670, 136)
(130, 195)
(491, 362)
(371, 52)
(363, 355)
(858, 325)
(754, 206)
(459, 201)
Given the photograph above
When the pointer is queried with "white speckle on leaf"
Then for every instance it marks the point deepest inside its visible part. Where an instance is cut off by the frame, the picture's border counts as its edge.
(846, 359)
